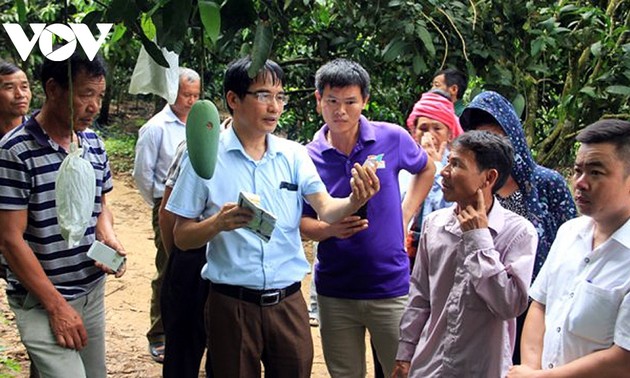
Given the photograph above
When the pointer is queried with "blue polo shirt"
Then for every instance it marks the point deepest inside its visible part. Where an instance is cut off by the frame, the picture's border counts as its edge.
(371, 264)
(239, 257)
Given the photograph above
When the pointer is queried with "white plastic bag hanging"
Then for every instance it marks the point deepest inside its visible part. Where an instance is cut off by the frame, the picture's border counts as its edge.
(150, 77)
(75, 188)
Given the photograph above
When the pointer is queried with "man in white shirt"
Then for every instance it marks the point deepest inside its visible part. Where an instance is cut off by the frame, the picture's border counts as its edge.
(158, 139)
(579, 322)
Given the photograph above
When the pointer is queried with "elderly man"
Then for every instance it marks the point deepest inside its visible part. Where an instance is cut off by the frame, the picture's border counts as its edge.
(577, 325)
(155, 149)
(473, 266)
(57, 292)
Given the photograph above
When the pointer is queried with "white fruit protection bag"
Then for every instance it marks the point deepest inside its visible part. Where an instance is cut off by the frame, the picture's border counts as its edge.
(75, 188)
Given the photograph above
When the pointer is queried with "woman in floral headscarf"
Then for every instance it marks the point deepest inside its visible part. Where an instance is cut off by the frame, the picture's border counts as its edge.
(537, 193)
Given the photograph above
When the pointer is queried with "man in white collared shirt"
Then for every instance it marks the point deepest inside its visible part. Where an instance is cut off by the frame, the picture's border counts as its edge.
(579, 322)
(158, 139)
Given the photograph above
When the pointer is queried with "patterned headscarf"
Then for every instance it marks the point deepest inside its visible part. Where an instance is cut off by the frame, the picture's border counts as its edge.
(546, 195)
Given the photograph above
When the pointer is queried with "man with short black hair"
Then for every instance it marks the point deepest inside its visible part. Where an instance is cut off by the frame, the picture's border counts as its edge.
(362, 274)
(57, 292)
(472, 270)
(578, 323)
(255, 310)
(454, 82)
(15, 97)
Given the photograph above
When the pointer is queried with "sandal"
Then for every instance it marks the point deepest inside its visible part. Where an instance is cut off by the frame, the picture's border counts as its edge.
(157, 351)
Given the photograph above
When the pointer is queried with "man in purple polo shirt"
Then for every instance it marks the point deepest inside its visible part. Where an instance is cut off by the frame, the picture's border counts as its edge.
(362, 277)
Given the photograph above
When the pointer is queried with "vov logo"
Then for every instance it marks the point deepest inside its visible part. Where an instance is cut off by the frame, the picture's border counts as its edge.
(71, 33)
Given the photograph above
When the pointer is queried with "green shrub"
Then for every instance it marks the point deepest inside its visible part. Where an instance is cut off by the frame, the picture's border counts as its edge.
(120, 150)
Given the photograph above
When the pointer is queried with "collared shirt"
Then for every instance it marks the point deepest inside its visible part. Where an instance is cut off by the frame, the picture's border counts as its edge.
(157, 141)
(466, 291)
(371, 264)
(586, 293)
(283, 176)
(173, 171)
(29, 162)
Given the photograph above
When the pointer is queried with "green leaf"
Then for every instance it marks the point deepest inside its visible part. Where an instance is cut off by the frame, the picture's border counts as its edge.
(262, 47)
(172, 23)
(427, 40)
(419, 65)
(596, 49)
(537, 45)
(210, 14)
(148, 27)
(119, 31)
(589, 91)
(287, 4)
(240, 13)
(153, 50)
(21, 9)
(393, 50)
(618, 90)
(568, 8)
(519, 104)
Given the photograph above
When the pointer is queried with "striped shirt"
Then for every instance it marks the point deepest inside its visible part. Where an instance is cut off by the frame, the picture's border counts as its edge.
(29, 162)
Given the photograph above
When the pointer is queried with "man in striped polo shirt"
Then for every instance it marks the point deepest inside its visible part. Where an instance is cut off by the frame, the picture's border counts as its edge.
(56, 292)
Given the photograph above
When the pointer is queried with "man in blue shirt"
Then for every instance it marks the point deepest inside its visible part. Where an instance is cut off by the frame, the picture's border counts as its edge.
(255, 311)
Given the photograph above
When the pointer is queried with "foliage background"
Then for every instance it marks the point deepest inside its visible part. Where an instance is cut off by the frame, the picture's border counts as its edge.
(563, 64)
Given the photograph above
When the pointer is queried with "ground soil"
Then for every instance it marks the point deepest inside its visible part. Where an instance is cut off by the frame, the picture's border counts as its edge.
(127, 298)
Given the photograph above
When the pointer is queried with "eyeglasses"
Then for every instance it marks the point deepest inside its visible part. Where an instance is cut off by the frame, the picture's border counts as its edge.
(267, 98)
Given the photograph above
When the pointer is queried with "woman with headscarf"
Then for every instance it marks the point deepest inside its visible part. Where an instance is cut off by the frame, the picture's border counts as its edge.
(434, 125)
(537, 193)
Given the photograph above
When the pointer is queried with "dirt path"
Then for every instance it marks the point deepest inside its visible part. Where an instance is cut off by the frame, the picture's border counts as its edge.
(127, 299)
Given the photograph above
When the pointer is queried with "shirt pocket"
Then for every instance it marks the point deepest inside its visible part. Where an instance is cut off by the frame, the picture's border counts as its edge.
(287, 206)
(594, 312)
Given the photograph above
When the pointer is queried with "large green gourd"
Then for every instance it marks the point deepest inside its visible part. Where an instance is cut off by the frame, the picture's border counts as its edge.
(202, 137)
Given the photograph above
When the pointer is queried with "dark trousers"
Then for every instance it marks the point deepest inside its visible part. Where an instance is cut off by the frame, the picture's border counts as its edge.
(156, 330)
(183, 299)
(242, 334)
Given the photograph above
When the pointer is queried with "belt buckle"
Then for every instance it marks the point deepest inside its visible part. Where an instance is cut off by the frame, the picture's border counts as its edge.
(270, 299)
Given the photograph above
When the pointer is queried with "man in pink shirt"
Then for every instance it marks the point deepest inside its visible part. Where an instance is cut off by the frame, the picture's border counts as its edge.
(473, 267)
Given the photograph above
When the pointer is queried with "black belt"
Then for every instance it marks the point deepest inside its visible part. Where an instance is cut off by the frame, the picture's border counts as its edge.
(260, 297)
